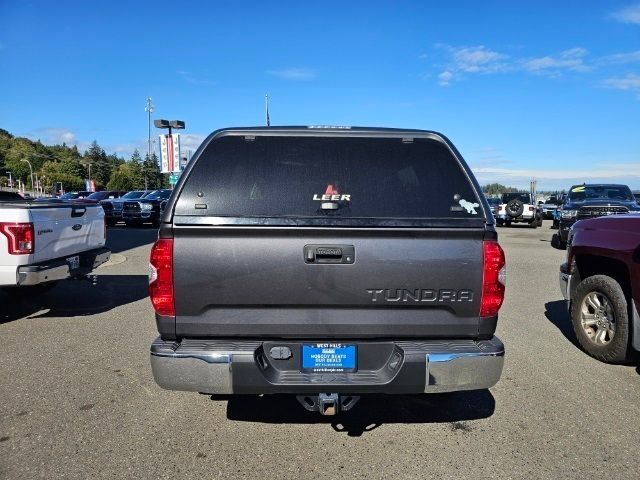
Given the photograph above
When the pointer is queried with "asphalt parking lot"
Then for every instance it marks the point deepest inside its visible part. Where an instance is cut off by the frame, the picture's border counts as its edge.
(77, 399)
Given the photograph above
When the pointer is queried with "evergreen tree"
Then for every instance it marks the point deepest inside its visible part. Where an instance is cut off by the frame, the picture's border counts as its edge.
(136, 169)
(100, 166)
(151, 172)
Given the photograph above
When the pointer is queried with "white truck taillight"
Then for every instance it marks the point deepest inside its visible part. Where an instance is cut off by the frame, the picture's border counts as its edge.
(494, 277)
(161, 277)
(20, 237)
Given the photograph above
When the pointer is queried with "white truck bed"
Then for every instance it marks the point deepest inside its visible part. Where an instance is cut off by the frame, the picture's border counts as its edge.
(67, 240)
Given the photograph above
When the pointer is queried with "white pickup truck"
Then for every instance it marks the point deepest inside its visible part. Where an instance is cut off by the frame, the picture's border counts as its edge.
(518, 208)
(43, 242)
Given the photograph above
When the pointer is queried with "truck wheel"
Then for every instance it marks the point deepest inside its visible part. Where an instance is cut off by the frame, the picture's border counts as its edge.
(507, 223)
(534, 223)
(515, 208)
(600, 318)
(540, 220)
(500, 223)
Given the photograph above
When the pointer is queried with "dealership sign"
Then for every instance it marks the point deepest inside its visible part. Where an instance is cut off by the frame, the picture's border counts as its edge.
(170, 153)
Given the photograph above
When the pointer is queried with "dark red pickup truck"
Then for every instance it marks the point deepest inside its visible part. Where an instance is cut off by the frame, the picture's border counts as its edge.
(601, 283)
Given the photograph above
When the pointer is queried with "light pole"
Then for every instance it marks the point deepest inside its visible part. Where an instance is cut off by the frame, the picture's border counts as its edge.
(31, 171)
(88, 166)
(10, 181)
(149, 109)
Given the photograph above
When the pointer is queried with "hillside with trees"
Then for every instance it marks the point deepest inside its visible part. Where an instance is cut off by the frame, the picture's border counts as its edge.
(67, 165)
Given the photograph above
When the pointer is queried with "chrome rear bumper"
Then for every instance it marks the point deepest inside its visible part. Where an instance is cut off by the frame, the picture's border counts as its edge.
(227, 367)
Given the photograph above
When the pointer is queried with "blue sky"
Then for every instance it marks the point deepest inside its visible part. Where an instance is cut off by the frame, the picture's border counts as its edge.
(547, 89)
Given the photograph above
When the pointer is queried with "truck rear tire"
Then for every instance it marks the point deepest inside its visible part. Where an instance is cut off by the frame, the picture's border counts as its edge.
(600, 319)
(514, 208)
(534, 223)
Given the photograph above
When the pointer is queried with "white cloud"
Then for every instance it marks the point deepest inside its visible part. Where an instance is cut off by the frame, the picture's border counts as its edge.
(631, 14)
(477, 59)
(188, 141)
(57, 136)
(445, 78)
(293, 73)
(482, 60)
(191, 141)
(620, 58)
(549, 179)
(193, 80)
(630, 82)
(571, 60)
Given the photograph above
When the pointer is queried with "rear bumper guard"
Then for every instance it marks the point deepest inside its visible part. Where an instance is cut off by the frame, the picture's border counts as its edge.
(59, 269)
(228, 367)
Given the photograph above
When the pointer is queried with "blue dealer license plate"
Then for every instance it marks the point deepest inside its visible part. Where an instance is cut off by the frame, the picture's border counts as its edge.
(329, 357)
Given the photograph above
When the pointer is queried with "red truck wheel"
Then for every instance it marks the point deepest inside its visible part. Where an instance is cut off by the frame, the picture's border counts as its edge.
(600, 318)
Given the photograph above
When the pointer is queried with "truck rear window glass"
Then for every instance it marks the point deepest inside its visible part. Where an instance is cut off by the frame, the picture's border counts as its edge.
(523, 197)
(579, 193)
(348, 177)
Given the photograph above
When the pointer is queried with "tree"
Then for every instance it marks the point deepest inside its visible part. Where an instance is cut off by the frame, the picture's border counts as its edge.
(151, 172)
(497, 189)
(136, 165)
(67, 172)
(100, 166)
(125, 177)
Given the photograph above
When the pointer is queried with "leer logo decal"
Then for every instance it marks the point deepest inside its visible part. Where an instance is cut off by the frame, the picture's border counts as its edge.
(332, 195)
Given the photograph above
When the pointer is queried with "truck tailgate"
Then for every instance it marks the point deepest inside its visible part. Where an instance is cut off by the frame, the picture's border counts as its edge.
(66, 229)
(247, 282)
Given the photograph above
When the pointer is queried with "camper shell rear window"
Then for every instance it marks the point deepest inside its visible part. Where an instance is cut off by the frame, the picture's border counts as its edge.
(330, 178)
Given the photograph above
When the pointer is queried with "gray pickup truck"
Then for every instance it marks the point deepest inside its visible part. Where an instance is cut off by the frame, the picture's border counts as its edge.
(326, 262)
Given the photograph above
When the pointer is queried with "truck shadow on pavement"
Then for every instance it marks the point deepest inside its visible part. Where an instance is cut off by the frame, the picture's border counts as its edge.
(370, 412)
(72, 298)
(556, 312)
(124, 238)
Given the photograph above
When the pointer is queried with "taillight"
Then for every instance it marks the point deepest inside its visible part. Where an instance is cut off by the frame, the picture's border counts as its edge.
(20, 237)
(161, 277)
(493, 279)
(531, 209)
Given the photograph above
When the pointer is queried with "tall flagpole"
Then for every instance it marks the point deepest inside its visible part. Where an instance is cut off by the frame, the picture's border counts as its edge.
(266, 110)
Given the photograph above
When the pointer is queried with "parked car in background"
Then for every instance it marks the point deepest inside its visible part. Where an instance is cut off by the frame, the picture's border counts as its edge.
(10, 196)
(103, 195)
(113, 207)
(327, 263)
(601, 283)
(144, 210)
(551, 206)
(518, 208)
(494, 204)
(42, 243)
(593, 200)
(74, 195)
(636, 194)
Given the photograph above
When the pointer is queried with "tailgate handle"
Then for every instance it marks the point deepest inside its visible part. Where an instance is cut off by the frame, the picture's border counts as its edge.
(78, 211)
(329, 254)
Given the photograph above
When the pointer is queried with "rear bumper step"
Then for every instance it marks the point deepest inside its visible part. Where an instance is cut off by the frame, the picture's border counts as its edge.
(245, 367)
(59, 269)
